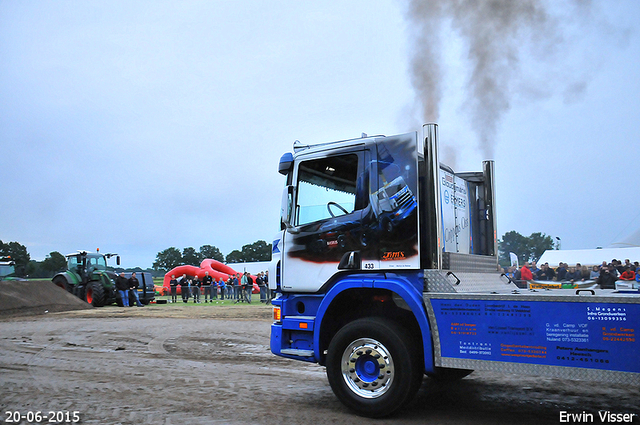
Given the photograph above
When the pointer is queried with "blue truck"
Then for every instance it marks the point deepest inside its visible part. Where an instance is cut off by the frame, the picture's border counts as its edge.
(386, 270)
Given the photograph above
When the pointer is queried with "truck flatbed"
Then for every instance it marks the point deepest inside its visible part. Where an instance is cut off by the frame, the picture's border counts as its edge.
(554, 333)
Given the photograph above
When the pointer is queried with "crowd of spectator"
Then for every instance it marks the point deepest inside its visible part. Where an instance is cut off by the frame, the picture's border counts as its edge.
(238, 287)
(605, 274)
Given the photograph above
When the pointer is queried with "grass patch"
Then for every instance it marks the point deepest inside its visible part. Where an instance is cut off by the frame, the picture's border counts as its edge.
(255, 301)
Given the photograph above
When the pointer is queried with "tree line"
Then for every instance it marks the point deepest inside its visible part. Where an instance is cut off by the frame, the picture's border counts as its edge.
(25, 266)
(527, 248)
(173, 257)
(54, 263)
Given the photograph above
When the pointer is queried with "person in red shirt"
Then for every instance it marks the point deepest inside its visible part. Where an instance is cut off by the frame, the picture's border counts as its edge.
(525, 273)
(628, 274)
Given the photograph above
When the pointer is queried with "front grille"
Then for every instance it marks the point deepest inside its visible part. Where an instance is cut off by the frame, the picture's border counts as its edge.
(403, 197)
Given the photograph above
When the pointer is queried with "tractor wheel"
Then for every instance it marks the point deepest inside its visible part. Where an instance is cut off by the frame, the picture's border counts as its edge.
(373, 366)
(94, 294)
(62, 283)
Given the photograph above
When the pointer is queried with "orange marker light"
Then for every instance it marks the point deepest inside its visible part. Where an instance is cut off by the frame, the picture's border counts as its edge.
(302, 325)
(277, 314)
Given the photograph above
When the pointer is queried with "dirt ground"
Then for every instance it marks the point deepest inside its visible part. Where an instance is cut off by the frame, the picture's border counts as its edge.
(210, 364)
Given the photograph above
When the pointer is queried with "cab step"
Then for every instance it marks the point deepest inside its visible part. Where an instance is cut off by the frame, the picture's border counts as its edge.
(297, 352)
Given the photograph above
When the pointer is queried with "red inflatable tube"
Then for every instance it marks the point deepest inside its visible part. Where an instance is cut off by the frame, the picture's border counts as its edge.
(213, 265)
(215, 268)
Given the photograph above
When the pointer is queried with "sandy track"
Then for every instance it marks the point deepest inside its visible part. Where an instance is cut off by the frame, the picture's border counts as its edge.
(211, 365)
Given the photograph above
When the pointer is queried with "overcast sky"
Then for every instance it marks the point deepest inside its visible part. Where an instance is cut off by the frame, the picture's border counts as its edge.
(137, 126)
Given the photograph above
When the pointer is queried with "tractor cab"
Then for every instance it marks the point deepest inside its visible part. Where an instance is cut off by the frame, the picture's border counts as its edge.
(85, 263)
(7, 269)
(96, 262)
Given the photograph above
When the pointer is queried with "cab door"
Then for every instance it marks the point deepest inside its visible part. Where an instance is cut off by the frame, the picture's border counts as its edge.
(325, 232)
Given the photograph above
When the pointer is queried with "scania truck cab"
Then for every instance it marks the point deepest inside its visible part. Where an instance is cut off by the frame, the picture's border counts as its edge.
(386, 269)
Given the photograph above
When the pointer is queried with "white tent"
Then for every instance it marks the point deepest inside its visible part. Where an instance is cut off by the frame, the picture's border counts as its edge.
(588, 257)
(632, 240)
(253, 268)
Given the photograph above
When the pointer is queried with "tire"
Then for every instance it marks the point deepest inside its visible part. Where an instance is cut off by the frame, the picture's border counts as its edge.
(94, 294)
(373, 366)
(62, 283)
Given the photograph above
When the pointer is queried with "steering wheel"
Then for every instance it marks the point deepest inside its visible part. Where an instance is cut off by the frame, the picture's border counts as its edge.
(337, 205)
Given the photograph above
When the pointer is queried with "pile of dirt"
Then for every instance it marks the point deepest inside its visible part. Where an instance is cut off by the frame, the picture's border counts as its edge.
(20, 298)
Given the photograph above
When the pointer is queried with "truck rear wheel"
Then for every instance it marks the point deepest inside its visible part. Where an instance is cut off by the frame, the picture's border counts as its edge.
(94, 294)
(373, 366)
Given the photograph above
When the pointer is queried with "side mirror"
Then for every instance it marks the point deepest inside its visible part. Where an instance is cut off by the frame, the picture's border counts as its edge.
(286, 164)
(287, 207)
(118, 260)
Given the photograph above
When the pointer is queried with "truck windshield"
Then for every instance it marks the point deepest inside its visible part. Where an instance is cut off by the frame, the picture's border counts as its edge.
(326, 188)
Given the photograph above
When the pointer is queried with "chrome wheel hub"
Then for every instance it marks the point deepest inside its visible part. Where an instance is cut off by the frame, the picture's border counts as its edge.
(367, 367)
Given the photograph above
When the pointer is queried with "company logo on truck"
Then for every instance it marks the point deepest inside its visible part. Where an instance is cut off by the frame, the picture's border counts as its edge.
(456, 213)
(396, 255)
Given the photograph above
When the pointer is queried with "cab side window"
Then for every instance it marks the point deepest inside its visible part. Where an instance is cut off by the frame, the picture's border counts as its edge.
(327, 188)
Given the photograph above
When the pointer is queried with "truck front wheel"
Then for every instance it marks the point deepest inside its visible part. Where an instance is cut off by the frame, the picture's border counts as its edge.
(373, 366)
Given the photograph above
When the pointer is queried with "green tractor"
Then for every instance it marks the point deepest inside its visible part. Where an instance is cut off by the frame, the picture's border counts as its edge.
(87, 277)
